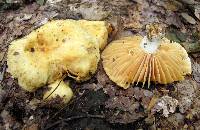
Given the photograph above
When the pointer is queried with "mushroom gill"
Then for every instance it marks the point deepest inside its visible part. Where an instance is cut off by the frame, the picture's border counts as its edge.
(137, 59)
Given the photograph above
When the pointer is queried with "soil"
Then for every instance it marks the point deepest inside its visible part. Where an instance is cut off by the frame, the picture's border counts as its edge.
(99, 104)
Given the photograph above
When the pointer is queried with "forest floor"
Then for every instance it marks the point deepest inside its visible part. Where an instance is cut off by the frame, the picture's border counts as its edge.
(99, 104)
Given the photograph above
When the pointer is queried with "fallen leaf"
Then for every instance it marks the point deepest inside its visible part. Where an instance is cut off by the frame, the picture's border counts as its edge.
(166, 104)
(189, 1)
(32, 127)
(196, 71)
(197, 11)
(191, 47)
(152, 103)
(2, 55)
(172, 36)
(186, 93)
(27, 17)
(91, 11)
(123, 110)
(173, 19)
(40, 2)
(2, 72)
(188, 18)
(172, 5)
(173, 121)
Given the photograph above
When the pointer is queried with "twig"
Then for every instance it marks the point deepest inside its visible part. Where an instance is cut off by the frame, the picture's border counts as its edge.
(72, 101)
(56, 86)
(84, 116)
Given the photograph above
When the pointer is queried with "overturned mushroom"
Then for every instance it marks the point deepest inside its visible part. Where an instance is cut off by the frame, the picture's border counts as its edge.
(137, 59)
(59, 47)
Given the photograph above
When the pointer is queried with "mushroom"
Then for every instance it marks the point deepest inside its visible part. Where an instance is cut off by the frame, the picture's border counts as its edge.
(138, 59)
(58, 89)
(60, 47)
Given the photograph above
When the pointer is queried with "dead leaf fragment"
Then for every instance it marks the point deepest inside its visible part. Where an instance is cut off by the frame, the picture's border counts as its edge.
(186, 93)
(152, 103)
(196, 71)
(91, 11)
(27, 17)
(197, 11)
(167, 104)
(189, 1)
(188, 18)
(123, 110)
(32, 127)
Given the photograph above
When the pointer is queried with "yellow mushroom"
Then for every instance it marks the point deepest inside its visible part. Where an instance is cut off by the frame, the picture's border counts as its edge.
(59, 47)
(58, 89)
(136, 59)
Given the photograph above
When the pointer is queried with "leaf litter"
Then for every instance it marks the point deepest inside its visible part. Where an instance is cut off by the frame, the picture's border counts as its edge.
(99, 96)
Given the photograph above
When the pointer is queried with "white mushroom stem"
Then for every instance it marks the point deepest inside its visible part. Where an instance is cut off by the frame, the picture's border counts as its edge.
(150, 46)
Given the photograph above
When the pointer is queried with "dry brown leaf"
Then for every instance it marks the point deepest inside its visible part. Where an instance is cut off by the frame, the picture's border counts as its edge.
(152, 103)
(188, 18)
(196, 71)
(166, 104)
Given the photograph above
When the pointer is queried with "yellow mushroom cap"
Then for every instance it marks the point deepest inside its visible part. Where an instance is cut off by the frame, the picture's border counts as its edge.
(58, 47)
(59, 89)
(136, 59)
